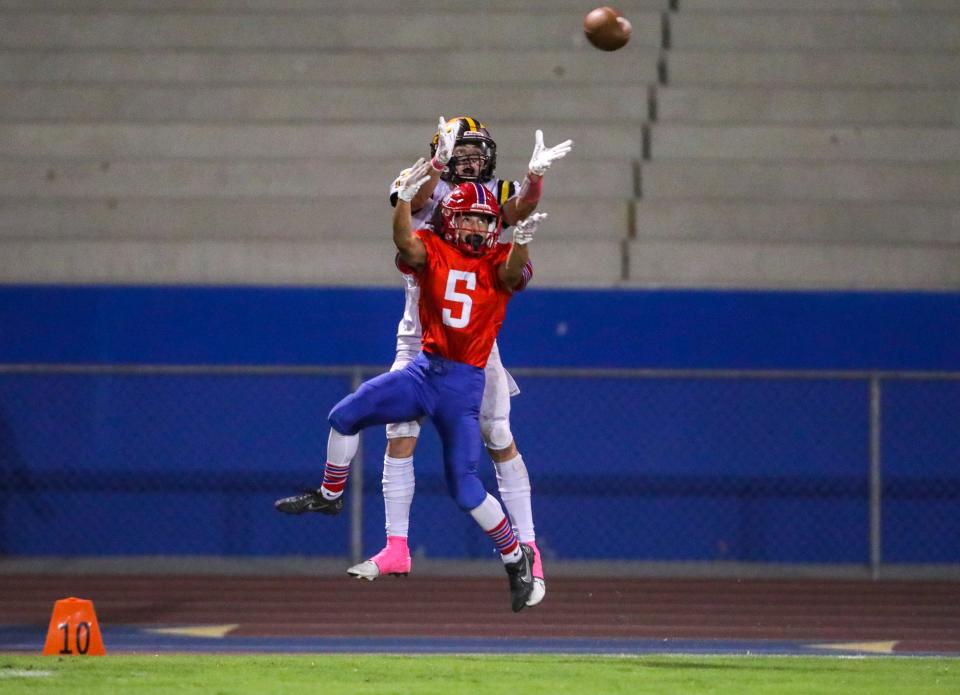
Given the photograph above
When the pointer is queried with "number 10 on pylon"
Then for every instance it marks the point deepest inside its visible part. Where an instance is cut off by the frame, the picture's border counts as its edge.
(73, 629)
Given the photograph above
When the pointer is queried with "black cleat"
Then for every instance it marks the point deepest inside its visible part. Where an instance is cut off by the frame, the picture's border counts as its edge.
(520, 574)
(309, 501)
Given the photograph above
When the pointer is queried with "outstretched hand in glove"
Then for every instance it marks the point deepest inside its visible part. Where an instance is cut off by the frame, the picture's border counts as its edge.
(524, 230)
(543, 156)
(446, 141)
(412, 179)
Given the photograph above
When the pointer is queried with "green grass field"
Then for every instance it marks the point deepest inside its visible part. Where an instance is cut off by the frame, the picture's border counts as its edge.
(480, 675)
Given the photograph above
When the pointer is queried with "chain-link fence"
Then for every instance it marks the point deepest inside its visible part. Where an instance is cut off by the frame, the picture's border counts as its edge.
(655, 466)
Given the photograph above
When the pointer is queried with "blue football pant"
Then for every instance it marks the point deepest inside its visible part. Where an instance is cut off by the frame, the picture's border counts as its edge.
(449, 393)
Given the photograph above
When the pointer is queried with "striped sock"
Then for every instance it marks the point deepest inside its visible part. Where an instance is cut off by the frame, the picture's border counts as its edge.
(505, 540)
(334, 478)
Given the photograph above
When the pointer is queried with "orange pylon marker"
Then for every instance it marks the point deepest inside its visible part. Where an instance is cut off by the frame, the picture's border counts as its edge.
(73, 629)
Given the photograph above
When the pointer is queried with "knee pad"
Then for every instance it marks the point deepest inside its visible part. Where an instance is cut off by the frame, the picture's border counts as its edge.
(496, 432)
(395, 430)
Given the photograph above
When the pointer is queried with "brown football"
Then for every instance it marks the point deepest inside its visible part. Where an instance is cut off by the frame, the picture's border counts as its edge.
(606, 28)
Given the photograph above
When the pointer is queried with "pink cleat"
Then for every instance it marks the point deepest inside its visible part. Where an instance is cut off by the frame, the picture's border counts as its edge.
(539, 585)
(393, 559)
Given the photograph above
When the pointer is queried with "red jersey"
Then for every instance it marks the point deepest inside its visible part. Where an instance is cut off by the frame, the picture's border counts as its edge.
(462, 301)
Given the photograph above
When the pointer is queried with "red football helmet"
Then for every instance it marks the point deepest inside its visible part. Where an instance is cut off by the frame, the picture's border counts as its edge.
(468, 200)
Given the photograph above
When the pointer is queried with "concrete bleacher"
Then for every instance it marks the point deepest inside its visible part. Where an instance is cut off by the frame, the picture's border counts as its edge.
(387, 70)
(210, 141)
(814, 69)
(249, 141)
(836, 106)
(815, 30)
(309, 103)
(801, 143)
(823, 5)
(838, 181)
(283, 176)
(327, 6)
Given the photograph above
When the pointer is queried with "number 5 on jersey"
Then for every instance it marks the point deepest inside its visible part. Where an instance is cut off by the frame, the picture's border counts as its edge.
(465, 300)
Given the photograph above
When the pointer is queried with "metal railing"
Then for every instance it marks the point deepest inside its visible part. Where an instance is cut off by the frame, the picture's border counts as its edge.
(756, 485)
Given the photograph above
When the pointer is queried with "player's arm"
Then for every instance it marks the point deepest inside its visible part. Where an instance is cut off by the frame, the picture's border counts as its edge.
(411, 248)
(446, 140)
(515, 272)
(520, 206)
(426, 192)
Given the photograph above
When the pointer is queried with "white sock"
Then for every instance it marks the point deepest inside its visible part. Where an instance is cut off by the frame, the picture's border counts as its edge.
(341, 448)
(340, 452)
(489, 514)
(514, 485)
(398, 483)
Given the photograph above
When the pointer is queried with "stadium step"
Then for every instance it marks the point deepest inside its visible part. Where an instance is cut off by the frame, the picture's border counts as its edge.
(777, 264)
(810, 181)
(768, 105)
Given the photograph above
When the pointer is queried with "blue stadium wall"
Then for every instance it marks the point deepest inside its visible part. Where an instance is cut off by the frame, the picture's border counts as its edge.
(665, 469)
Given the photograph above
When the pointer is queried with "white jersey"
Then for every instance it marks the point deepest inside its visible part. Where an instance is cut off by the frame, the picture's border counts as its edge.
(408, 330)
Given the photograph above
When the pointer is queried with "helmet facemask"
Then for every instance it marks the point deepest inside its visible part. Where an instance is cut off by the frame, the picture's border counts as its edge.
(470, 132)
(476, 233)
(470, 162)
(470, 219)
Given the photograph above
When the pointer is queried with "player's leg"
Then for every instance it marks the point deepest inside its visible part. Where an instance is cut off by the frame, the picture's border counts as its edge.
(398, 484)
(457, 419)
(513, 481)
(387, 398)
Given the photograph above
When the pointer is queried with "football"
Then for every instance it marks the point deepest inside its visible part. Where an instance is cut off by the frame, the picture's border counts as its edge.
(606, 28)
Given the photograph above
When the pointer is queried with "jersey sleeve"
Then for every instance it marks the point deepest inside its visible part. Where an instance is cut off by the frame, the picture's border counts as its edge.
(403, 267)
(506, 190)
(525, 274)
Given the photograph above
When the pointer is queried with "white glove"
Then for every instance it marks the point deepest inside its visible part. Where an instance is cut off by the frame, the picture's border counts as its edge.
(524, 230)
(412, 179)
(446, 140)
(543, 157)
